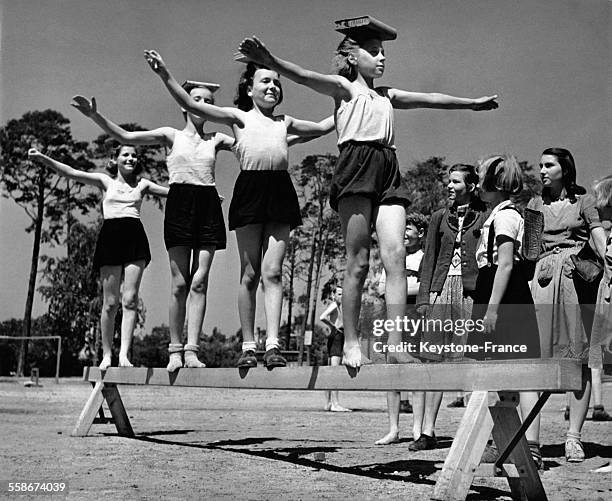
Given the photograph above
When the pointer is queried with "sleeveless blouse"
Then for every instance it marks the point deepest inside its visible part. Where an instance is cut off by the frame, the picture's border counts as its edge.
(192, 159)
(262, 144)
(122, 200)
(367, 117)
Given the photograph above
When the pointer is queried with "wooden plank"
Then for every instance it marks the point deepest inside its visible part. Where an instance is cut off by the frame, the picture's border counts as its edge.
(520, 375)
(89, 412)
(115, 404)
(464, 456)
(506, 423)
(489, 470)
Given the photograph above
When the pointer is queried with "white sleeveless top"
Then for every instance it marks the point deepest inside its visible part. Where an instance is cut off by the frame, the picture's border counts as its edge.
(262, 144)
(121, 200)
(366, 117)
(192, 159)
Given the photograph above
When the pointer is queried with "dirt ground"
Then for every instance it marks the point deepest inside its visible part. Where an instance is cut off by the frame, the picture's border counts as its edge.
(230, 444)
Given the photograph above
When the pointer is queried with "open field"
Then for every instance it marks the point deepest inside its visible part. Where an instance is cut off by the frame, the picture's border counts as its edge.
(227, 444)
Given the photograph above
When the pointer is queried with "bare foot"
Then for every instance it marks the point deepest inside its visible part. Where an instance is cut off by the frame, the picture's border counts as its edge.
(328, 406)
(175, 363)
(338, 408)
(124, 362)
(390, 438)
(106, 363)
(351, 356)
(401, 358)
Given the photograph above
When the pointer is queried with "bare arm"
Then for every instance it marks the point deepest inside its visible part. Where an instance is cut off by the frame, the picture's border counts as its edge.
(227, 116)
(598, 235)
(327, 314)
(162, 135)
(331, 85)
(405, 100)
(93, 178)
(505, 263)
(156, 189)
(308, 128)
(224, 142)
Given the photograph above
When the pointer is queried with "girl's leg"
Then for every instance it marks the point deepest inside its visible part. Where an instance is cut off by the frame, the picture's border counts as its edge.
(132, 274)
(250, 243)
(579, 405)
(393, 409)
(355, 216)
(333, 396)
(111, 284)
(202, 261)
(275, 241)
(418, 413)
(432, 406)
(180, 278)
(390, 228)
(527, 400)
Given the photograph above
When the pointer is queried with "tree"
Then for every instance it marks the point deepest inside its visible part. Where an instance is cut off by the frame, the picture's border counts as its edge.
(426, 183)
(46, 198)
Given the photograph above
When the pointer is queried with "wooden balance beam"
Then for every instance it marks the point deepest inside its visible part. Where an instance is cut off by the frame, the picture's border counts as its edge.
(479, 421)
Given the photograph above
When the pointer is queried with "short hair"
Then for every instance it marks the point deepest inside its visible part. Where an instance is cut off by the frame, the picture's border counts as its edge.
(568, 170)
(112, 165)
(242, 100)
(603, 192)
(419, 221)
(501, 173)
(189, 85)
(470, 176)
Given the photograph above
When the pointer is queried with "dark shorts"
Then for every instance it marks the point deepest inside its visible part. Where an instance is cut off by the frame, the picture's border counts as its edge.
(369, 170)
(193, 217)
(335, 343)
(122, 240)
(265, 196)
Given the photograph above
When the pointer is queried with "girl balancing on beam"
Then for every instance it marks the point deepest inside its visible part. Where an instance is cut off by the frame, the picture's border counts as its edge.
(366, 186)
(264, 205)
(122, 250)
(193, 220)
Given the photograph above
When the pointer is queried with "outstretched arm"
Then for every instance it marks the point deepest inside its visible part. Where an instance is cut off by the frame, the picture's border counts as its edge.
(331, 85)
(227, 116)
(156, 189)
(308, 128)
(163, 135)
(92, 178)
(405, 100)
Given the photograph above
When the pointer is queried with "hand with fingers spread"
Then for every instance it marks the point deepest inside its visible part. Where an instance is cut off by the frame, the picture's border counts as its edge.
(84, 105)
(156, 62)
(485, 103)
(254, 50)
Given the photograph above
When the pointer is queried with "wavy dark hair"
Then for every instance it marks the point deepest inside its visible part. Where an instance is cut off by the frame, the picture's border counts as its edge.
(112, 165)
(242, 100)
(341, 64)
(568, 170)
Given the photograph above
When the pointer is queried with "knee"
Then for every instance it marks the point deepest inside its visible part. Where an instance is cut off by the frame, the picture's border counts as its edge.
(129, 300)
(110, 305)
(272, 274)
(357, 267)
(250, 280)
(393, 257)
(179, 287)
(199, 284)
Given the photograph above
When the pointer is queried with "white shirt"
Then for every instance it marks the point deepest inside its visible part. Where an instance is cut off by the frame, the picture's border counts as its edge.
(506, 222)
(413, 262)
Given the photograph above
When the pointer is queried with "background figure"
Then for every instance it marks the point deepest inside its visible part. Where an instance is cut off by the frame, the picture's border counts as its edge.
(570, 219)
(448, 281)
(416, 227)
(332, 317)
(193, 221)
(122, 250)
(601, 337)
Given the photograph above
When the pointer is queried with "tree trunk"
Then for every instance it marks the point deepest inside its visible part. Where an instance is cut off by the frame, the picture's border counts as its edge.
(293, 242)
(322, 246)
(313, 248)
(27, 319)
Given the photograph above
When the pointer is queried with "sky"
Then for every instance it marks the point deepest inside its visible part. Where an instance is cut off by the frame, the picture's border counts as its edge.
(548, 60)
